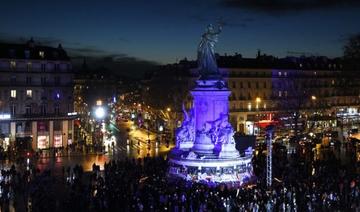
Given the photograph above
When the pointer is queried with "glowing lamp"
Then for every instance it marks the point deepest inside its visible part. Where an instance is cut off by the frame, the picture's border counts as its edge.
(100, 112)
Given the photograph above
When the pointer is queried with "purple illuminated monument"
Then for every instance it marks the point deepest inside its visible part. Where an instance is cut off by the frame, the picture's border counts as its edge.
(205, 147)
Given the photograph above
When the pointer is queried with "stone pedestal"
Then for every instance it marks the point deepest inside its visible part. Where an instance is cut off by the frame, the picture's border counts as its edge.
(203, 144)
(185, 145)
(228, 151)
(210, 103)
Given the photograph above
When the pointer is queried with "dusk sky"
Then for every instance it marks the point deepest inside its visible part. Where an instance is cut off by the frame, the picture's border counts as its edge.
(164, 31)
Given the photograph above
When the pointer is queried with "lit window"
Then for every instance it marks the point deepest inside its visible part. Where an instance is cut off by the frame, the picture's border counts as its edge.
(57, 95)
(285, 73)
(333, 82)
(285, 93)
(29, 93)
(280, 93)
(264, 106)
(249, 106)
(28, 66)
(314, 72)
(12, 64)
(41, 54)
(13, 93)
(279, 73)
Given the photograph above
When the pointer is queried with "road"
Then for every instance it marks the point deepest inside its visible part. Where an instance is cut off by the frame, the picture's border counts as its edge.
(131, 143)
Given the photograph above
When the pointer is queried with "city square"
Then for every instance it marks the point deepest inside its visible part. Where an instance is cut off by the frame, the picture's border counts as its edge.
(99, 113)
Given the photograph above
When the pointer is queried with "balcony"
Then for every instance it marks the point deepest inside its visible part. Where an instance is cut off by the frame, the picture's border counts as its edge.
(47, 116)
(26, 84)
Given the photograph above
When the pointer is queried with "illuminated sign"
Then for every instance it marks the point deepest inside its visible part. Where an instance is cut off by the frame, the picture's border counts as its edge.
(43, 142)
(57, 140)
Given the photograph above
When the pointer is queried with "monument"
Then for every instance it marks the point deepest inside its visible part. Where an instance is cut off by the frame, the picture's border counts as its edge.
(205, 147)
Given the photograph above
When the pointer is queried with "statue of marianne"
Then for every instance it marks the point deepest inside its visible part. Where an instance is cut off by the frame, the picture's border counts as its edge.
(206, 54)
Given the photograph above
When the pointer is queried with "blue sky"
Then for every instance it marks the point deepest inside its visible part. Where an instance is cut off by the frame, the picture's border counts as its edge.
(164, 31)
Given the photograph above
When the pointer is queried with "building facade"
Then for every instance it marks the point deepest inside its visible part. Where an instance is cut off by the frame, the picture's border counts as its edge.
(302, 92)
(321, 98)
(36, 97)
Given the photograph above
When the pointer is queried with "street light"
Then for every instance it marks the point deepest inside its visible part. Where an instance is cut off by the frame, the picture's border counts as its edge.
(99, 112)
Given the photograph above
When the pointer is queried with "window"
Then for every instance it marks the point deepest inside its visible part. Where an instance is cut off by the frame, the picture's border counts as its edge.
(41, 54)
(13, 109)
(28, 80)
(249, 84)
(233, 85)
(29, 93)
(28, 109)
(257, 85)
(249, 106)
(285, 93)
(57, 80)
(13, 93)
(29, 66)
(43, 80)
(12, 65)
(279, 73)
(285, 73)
(27, 54)
(57, 109)
(280, 94)
(241, 84)
(13, 79)
(43, 109)
(57, 95)
(57, 67)
(43, 67)
(264, 84)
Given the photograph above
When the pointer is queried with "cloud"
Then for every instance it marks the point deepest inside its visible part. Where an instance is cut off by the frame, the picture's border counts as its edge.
(86, 50)
(117, 64)
(41, 40)
(242, 22)
(273, 6)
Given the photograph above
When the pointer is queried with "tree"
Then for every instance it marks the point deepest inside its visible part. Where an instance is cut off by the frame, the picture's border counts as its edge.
(352, 47)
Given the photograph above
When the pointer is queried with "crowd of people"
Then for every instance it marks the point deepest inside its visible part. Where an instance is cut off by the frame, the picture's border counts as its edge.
(300, 184)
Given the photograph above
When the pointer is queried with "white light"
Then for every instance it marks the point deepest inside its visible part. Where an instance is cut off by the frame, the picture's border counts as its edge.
(161, 128)
(99, 112)
(5, 116)
(72, 114)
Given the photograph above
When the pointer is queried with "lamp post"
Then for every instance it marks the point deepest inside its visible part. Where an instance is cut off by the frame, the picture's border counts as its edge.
(100, 115)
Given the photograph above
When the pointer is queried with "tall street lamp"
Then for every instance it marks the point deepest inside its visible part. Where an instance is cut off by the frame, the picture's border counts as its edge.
(100, 114)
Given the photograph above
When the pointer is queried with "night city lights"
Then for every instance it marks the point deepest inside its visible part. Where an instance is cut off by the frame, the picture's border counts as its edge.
(217, 105)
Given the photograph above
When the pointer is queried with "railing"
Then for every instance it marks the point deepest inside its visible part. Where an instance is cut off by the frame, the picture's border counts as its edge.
(25, 84)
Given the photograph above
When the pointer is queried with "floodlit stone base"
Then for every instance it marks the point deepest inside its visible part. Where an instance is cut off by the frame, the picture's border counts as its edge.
(209, 169)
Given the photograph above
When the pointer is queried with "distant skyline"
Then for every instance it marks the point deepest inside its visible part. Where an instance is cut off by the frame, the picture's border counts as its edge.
(166, 31)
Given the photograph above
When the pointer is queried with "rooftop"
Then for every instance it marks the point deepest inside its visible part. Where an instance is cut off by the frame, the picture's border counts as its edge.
(33, 51)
